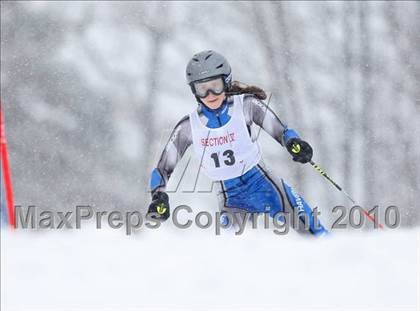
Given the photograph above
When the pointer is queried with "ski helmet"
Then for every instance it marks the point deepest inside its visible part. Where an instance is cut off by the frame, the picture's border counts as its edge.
(206, 65)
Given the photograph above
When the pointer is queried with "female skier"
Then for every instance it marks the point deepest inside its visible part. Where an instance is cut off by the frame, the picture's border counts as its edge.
(220, 131)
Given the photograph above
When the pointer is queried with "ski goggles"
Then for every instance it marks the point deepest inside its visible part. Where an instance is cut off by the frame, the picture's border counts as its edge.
(203, 88)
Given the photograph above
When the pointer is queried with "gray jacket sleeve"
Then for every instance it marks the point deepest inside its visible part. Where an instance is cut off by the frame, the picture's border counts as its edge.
(256, 111)
(178, 143)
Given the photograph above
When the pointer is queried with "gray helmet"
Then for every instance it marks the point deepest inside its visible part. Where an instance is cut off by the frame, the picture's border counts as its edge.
(208, 64)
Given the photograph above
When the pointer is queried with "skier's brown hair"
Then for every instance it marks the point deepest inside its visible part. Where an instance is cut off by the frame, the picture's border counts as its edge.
(237, 88)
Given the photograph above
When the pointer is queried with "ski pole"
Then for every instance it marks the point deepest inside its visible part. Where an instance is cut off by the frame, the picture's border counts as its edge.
(322, 172)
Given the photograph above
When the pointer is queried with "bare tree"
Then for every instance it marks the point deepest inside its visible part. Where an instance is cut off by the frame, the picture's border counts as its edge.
(289, 66)
(153, 22)
(400, 81)
(348, 94)
(274, 38)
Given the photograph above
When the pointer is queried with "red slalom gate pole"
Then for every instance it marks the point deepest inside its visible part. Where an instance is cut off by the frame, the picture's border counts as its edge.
(6, 172)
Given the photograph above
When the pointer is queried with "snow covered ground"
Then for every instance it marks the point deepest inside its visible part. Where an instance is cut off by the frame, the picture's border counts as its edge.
(193, 269)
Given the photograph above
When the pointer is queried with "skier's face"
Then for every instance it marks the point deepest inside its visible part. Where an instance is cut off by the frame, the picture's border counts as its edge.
(213, 101)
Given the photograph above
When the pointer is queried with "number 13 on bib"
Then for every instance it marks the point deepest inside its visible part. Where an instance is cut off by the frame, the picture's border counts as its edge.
(228, 151)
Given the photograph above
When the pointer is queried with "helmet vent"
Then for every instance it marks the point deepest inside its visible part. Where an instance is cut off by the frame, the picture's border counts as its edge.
(208, 56)
(195, 59)
(220, 66)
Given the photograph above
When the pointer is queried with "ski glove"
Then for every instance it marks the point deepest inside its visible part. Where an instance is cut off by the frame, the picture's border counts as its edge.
(159, 207)
(300, 150)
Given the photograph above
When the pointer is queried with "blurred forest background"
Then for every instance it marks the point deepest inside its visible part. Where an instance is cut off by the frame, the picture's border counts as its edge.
(92, 90)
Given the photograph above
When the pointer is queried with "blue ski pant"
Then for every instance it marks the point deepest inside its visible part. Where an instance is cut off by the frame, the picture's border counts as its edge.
(258, 191)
